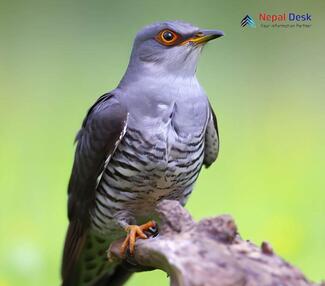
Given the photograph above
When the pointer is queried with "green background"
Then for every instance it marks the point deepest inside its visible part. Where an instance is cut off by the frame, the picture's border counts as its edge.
(267, 88)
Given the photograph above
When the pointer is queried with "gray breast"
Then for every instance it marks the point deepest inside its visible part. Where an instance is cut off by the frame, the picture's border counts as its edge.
(155, 162)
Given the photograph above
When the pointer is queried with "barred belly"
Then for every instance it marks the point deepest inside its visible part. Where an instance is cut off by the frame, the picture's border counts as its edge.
(144, 171)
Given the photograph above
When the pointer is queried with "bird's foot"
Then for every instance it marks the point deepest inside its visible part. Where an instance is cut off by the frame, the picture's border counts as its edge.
(134, 232)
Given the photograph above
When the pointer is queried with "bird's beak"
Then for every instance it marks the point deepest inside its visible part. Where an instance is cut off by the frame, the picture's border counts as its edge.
(204, 36)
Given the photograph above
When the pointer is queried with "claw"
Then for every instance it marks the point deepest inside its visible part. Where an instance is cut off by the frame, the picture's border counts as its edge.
(134, 232)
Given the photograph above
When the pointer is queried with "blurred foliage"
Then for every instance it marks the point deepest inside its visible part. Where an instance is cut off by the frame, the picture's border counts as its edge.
(267, 87)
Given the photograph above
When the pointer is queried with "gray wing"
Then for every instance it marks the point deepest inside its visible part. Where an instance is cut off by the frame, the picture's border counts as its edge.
(101, 132)
(211, 139)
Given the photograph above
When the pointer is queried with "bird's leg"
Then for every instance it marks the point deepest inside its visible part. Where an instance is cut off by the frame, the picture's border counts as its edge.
(134, 232)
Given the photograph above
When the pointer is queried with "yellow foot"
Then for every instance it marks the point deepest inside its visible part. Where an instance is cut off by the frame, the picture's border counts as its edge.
(134, 232)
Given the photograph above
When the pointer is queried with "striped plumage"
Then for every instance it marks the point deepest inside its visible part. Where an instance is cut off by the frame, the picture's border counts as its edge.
(143, 142)
(141, 173)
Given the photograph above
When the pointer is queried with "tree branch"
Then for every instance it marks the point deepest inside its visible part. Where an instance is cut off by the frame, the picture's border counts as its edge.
(209, 252)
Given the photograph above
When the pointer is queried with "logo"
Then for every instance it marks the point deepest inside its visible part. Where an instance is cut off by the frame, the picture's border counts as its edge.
(248, 21)
(278, 20)
(284, 17)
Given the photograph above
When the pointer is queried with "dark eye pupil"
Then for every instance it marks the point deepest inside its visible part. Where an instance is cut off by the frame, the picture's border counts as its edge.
(168, 36)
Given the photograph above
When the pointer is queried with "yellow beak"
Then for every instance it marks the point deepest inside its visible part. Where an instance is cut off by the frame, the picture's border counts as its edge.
(203, 37)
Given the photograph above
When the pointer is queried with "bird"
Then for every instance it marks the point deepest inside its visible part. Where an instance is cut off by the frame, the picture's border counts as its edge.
(145, 141)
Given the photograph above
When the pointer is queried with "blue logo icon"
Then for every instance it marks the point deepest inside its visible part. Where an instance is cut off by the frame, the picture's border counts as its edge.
(248, 21)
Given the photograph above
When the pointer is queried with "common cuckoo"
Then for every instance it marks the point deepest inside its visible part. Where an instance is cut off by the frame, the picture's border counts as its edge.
(143, 142)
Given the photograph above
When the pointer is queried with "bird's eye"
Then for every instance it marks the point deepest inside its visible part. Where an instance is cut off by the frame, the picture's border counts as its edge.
(167, 37)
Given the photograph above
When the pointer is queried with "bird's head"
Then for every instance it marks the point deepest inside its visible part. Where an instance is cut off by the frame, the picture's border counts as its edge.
(172, 47)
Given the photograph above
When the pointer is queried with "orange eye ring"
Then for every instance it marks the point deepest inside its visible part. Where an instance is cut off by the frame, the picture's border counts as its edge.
(167, 37)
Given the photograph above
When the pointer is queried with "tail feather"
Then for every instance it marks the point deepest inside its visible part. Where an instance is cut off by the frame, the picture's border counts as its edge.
(73, 246)
(117, 278)
(85, 261)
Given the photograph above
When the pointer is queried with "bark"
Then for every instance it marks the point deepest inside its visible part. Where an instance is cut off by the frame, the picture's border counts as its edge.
(210, 252)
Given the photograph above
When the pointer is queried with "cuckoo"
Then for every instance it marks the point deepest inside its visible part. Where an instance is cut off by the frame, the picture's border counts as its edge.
(143, 142)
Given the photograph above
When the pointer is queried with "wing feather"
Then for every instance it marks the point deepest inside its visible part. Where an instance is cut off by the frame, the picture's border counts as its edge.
(211, 139)
(101, 132)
